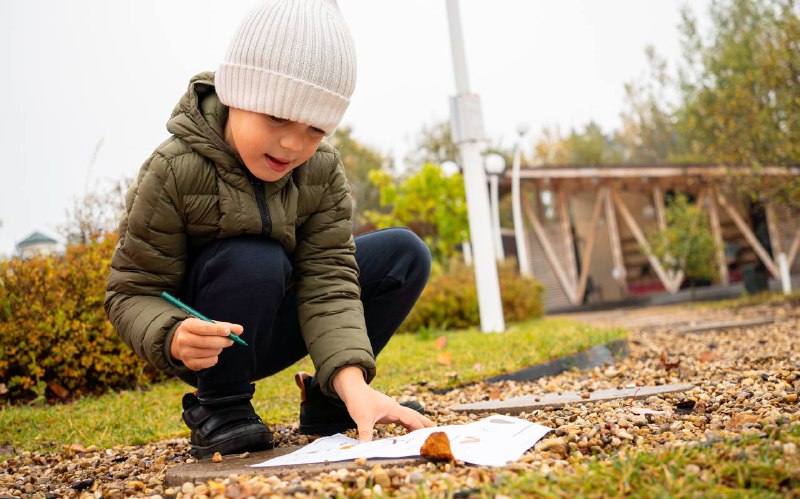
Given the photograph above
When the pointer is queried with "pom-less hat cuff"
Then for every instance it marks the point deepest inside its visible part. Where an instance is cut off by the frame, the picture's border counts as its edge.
(267, 92)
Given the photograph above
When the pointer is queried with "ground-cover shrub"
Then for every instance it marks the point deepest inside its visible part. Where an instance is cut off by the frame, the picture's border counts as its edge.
(55, 340)
(450, 299)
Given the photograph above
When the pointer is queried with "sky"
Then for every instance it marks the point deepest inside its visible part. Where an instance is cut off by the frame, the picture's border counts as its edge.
(78, 72)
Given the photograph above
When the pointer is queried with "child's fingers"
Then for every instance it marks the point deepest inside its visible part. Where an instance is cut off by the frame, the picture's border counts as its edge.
(365, 431)
(200, 327)
(412, 420)
(236, 329)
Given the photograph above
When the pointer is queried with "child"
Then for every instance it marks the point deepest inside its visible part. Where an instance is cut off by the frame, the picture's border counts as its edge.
(246, 215)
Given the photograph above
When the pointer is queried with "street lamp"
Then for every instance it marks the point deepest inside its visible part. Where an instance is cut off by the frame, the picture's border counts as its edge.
(468, 134)
(519, 227)
(450, 168)
(495, 166)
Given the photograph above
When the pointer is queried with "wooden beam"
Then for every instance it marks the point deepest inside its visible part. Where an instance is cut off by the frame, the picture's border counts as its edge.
(772, 228)
(587, 251)
(616, 246)
(748, 235)
(668, 283)
(716, 231)
(793, 249)
(687, 172)
(658, 201)
(552, 258)
(566, 237)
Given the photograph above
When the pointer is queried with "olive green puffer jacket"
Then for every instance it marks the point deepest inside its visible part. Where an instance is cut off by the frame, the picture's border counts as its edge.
(194, 189)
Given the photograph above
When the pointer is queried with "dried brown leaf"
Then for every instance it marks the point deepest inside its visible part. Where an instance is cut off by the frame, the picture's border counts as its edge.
(437, 447)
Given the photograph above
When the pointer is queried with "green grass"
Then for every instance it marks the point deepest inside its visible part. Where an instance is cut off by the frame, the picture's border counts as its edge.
(765, 298)
(136, 417)
(751, 467)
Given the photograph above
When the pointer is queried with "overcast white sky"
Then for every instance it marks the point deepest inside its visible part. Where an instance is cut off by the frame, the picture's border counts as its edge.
(77, 71)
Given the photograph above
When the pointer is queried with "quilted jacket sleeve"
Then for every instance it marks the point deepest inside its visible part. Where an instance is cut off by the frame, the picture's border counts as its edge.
(328, 292)
(149, 258)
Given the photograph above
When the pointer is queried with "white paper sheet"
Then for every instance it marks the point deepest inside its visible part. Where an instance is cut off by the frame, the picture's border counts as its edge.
(492, 441)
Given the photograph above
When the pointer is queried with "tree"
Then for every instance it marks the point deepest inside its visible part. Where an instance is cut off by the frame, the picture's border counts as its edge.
(648, 134)
(589, 146)
(95, 215)
(434, 145)
(359, 160)
(740, 88)
(687, 243)
(429, 203)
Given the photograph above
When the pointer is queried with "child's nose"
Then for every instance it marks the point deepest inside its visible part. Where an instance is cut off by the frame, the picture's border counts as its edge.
(292, 141)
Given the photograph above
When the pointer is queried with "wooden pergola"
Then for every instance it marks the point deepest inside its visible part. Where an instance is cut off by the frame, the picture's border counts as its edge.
(611, 188)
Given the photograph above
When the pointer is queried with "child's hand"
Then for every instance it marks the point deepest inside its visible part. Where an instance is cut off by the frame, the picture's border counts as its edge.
(368, 406)
(198, 343)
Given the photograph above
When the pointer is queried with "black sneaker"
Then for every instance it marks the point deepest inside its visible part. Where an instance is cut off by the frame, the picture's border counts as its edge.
(323, 415)
(229, 427)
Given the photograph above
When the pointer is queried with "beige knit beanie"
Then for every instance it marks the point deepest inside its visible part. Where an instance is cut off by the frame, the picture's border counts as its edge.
(293, 59)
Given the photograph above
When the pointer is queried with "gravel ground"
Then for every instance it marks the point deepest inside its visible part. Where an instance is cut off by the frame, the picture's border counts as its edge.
(747, 382)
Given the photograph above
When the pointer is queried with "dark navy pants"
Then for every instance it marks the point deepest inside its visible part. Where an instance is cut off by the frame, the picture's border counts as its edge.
(245, 280)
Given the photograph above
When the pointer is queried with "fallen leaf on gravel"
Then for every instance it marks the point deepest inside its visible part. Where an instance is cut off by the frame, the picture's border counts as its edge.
(444, 359)
(740, 419)
(440, 342)
(685, 406)
(76, 447)
(437, 447)
(669, 363)
(494, 394)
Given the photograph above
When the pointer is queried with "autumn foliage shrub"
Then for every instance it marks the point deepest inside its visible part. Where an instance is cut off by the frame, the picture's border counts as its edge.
(450, 300)
(55, 339)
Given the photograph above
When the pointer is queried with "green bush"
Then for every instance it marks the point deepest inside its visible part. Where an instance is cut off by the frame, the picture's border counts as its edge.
(55, 339)
(450, 299)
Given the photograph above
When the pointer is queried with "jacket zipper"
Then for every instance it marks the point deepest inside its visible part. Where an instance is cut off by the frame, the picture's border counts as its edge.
(258, 189)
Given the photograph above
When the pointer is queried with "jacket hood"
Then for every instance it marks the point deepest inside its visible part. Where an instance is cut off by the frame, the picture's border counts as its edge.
(199, 120)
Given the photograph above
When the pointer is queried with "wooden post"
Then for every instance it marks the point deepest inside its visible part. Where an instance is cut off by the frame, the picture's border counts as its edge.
(616, 246)
(587, 251)
(658, 201)
(670, 284)
(716, 230)
(749, 236)
(772, 228)
(566, 237)
(793, 249)
(552, 258)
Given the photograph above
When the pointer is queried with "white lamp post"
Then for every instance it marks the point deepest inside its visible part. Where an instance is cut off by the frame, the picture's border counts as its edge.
(519, 228)
(495, 166)
(468, 133)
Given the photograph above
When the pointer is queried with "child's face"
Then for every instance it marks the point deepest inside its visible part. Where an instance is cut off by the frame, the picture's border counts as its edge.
(270, 147)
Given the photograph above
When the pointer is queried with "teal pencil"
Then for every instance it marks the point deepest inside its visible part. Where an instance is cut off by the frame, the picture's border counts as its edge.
(189, 310)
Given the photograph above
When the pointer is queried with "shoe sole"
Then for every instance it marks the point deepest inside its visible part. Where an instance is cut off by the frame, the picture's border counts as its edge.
(235, 444)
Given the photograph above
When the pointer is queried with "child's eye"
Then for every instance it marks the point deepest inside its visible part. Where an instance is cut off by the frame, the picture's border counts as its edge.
(316, 131)
(275, 119)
